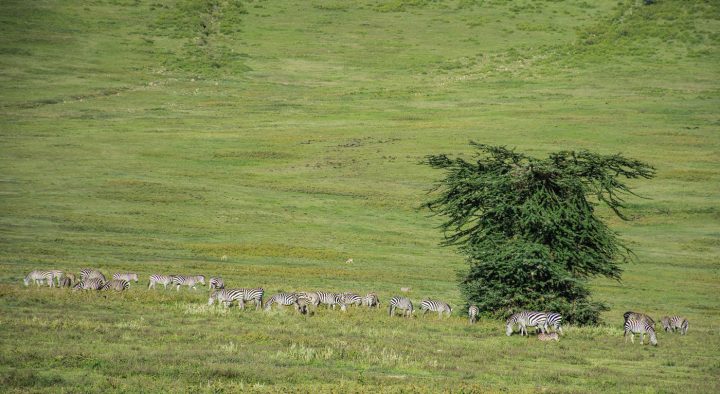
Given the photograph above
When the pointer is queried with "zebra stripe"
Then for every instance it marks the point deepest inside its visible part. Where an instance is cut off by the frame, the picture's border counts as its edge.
(190, 281)
(90, 284)
(639, 326)
(164, 280)
(89, 273)
(117, 285)
(371, 300)
(57, 275)
(526, 319)
(128, 276)
(216, 283)
(226, 296)
(282, 299)
(255, 294)
(435, 306)
(311, 297)
(402, 303)
(331, 300)
(473, 313)
(38, 277)
(554, 320)
(674, 323)
(351, 299)
(639, 316)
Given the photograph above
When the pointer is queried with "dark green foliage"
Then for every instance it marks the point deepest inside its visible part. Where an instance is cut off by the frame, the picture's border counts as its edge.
(528, 226)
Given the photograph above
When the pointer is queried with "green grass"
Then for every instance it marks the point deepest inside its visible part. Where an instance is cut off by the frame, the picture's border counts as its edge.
(286, 135)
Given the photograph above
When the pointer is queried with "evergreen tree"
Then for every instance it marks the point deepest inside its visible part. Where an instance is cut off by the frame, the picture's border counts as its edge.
(529, 228)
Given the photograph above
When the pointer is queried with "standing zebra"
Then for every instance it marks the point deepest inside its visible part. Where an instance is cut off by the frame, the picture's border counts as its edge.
(128, 276)
(282, 299)
(90, 284)
(255, 294)
(226, 296)
(117, 285)
(435, 306)
(38, 277)
(89, 273)
(674, 323)
(57, 275)
(554, 320)
(402, 303)
(526, 319)
(331, 300)
(639, 316)
(639, 326)
(473, 313)
(164, 280)
(190, 281)
(216, 282)
(351, 299)
(371, 300)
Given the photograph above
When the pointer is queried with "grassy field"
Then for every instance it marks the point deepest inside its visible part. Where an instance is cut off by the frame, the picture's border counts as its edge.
(156, 137)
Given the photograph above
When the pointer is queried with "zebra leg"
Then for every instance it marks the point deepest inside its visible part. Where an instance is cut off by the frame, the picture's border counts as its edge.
(178, 287)
(642, 337)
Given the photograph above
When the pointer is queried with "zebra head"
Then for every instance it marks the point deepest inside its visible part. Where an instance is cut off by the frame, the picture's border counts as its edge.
(27, 280)
(509, 325)
(653, 338)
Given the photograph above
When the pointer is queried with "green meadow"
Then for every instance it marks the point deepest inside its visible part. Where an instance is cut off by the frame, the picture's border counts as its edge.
(270, 141)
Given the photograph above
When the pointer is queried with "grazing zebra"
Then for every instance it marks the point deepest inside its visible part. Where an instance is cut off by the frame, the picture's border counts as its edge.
(551, 336)
(554, 320)
(639, 316)
(90, 284)
(674, 323)
(282, 299)
(331, 300)
(216, 283)
(226, 296)
(435, 306)
(311, 297)
(128, 276)
(351, 299)
(66, 282)
(473, 313)
(402, 303)
(89, 273)
(526, 319)
(38, 277)
(371, 300)
(255, 294)
(164, 280)
(190, 281)
(117, 285)
(57, 275)
(639, 326)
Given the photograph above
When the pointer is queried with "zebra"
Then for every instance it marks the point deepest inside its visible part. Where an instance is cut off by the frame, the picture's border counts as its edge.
(38, 277)
(435, 306)
(525, 319)
(551, 336)
(473, 312)
(351, 299)
(282, 299)
(90, 284)
(66, 282)
(126, 276)
(402, 303)
(639, 316)
(190, 281)
(255, 294)
(639, 326)
(117, 285)
(57, 275)
(216, 283)
(331, 300)
(674, 323)
(371, 300)
(89, 273)
(226, 296)
(164, 280)
(554, 320)
(311, 297)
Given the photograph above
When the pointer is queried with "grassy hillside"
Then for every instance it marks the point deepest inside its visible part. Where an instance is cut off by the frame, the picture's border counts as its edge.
(156, 137)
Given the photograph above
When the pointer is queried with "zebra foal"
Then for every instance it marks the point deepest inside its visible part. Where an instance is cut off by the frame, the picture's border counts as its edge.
(674, 323)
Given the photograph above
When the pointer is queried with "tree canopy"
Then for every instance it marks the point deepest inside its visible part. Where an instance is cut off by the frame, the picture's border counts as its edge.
(529, 227)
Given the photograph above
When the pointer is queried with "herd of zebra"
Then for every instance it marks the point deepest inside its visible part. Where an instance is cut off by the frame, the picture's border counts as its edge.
(92, 279)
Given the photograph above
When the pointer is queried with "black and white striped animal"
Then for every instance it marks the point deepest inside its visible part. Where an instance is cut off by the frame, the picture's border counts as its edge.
(255, 295)
(164, 280)
(216, 283)
(189, 281)
(371, 300)
(554, 320)
(66, 282)
(331, 300)
(282, 299)
(57, 276)
(473, 312)
(90, 284)
(117, 285)
(526, 319)
(639, 326)
(674, 323)
(639, 316)
(435, 306)
(351, 299)
(226, 296)
(400, 303)
(128, 276)
(39, 277)
(311, 297)
(89, 273)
